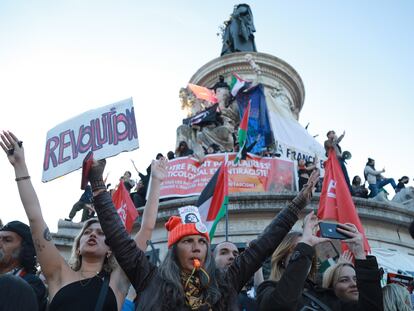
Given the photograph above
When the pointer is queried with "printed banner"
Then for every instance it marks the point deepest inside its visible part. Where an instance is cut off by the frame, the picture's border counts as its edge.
(107, 131)
(186, 177)
(259, 134)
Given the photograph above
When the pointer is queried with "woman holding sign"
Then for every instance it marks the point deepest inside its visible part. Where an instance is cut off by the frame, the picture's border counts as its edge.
(188, 278)
(93, 280)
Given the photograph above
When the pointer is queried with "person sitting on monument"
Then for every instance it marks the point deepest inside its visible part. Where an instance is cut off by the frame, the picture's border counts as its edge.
(85, 204)
(188, 278)
(183, 150)
(170, 155)
(401, 183)
(375, 179)
(77, 285)
(358, 189)
(212, 149)
(291, 285)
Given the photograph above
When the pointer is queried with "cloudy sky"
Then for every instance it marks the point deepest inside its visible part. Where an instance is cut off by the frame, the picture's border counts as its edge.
(61, 58)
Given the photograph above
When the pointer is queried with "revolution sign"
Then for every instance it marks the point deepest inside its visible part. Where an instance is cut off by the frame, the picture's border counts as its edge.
(107, 131)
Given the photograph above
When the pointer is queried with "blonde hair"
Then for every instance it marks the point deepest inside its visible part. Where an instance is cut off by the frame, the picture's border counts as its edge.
(331, 275)
(75, 261)
(396, 298)
(278, 264)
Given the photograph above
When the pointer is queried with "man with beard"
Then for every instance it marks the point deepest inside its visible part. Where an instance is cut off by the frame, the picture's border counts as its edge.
(18, 257)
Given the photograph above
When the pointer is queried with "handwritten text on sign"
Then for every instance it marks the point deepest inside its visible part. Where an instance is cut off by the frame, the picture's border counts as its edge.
(106, 131)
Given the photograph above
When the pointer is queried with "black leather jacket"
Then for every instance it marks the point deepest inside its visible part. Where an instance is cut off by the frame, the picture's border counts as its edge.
(286, 294)
(145, 277)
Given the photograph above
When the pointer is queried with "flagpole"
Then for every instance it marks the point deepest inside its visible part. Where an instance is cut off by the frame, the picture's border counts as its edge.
(227, 223)
(227, 209)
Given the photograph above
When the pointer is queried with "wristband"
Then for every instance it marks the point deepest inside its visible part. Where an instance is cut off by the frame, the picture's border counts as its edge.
(98, 185)
(22, 178)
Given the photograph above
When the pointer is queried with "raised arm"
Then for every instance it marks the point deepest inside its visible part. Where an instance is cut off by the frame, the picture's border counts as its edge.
(149, 217)
(49, 257)
(285, 294)
(338, 140)
(130, 258)
(248, 262)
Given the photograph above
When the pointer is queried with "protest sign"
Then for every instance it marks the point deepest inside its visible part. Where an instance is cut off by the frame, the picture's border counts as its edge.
(107, 131)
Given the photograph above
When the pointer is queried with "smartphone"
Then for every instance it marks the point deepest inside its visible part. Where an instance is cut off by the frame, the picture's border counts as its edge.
(329, 230)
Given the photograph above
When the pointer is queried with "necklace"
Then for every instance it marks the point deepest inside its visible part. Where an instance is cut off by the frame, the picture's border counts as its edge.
(84, 280)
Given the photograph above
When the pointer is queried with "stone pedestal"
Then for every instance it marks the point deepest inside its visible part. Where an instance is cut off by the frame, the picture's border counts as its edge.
(276, 76)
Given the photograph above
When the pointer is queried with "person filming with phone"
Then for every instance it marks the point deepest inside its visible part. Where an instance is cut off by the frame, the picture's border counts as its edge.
(292, 284)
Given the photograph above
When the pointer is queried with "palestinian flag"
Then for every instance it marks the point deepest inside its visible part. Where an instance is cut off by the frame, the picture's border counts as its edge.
(242, 135)
(237, 84)
(213, 200)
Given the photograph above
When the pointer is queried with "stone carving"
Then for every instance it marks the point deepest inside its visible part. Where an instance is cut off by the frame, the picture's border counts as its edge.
(189, 103)
(253, 64)
(219, 132)
(405, 196)
(238, 32)
(281, 97)
(221, 135)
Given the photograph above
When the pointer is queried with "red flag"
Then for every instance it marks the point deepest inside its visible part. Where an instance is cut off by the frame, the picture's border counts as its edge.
(125, 207)
(336, 202)
(202, 92)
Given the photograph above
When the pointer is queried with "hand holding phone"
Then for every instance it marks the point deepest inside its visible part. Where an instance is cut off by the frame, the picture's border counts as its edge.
(310, 222)
(330, 230)
(355, 240)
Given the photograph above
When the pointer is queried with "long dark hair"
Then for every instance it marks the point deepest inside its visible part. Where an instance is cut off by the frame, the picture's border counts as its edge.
(27, 257)
(171, 294)
(370, 163)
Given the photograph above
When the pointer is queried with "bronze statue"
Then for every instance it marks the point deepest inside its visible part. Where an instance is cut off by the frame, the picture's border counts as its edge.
(238, 33)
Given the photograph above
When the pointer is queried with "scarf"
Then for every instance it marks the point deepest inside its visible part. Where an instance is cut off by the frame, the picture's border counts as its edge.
(194, 298)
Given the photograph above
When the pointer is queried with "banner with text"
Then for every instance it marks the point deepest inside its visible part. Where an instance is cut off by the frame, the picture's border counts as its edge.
(187, 177)
(107, 131)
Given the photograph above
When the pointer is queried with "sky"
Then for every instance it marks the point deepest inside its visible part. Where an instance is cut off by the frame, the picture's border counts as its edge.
(61, 58)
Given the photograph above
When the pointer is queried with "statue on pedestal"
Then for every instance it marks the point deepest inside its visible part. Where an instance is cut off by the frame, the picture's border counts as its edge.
(209, 124)
(238, 32)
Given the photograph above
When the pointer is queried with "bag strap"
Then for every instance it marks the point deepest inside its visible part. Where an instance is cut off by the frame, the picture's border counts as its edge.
(320, 303)
(102, 294)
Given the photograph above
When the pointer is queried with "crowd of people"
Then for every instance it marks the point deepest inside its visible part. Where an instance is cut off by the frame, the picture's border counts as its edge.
(373, 177)
(109, 270)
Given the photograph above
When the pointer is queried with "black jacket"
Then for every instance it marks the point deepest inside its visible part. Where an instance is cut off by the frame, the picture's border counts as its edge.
(39, 288)
(144, 276)
(286, 294)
